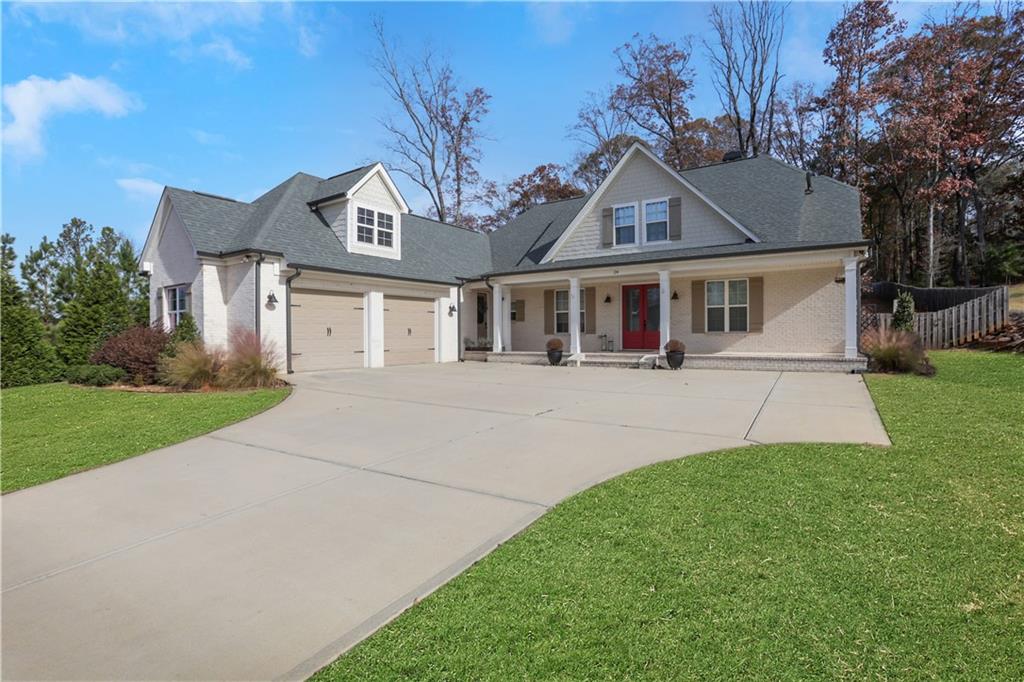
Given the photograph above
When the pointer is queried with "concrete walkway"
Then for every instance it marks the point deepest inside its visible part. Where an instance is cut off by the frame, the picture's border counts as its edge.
(267, 548)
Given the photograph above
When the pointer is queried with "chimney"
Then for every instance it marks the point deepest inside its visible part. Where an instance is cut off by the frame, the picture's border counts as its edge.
(809, 188)
(732, 155)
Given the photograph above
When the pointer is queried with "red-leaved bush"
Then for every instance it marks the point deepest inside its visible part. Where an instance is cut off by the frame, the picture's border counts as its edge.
(251, 363)
(136, 350)
(893, 350)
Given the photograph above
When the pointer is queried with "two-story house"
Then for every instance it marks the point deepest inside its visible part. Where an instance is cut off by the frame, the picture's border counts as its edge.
(751, 263)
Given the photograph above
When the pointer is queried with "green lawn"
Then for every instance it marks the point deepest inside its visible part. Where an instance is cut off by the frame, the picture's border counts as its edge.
(54, 430)
(770, 562)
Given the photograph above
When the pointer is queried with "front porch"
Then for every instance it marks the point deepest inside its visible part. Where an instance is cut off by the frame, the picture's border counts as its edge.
(796, 311)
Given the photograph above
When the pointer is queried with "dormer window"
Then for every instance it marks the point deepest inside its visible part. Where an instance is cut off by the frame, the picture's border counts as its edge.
(364, 225)
(375, 227)
(385, 229)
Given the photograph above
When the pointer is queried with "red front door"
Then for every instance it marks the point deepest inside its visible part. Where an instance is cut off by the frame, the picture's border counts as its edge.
(641, 317)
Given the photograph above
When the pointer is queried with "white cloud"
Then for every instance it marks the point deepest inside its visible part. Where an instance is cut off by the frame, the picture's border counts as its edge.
(142, 22)
(141, 188)
(552, 20)
(224, 49)
(32, 101)
(205, 137)
(309, 41)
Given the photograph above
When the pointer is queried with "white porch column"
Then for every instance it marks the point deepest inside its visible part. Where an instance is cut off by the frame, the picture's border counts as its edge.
(506, 319)
(665, 301)
(851, 266)
(574, 315)
(373, 317)
(497, 318)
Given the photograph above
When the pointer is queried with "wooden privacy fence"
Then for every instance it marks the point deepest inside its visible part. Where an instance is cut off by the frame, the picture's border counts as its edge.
(962, 323)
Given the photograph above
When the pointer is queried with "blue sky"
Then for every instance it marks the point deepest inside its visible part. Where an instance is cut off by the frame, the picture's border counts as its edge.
(105, 104)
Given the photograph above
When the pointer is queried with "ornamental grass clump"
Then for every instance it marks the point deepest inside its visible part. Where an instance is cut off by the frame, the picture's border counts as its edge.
(251, 363)
(894, 350)
(192, 366)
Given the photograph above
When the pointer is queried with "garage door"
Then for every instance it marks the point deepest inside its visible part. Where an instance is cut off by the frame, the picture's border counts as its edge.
(408, 330)
(327, 330)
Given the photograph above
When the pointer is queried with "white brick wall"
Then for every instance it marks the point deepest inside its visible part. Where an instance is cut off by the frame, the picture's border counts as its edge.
(174, 262)
(642, 179)
(803, 313)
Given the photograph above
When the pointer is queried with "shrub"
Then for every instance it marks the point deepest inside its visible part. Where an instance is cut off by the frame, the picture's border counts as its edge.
(251, 363)
(675, 346)
(185, 331)
(95, 375)
(903, 316)
(26, 355)
(554, 343)
(137, 351)
(192, 366)
(893, 350)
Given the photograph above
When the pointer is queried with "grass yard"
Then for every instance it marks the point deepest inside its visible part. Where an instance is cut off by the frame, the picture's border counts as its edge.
(1017, 297)
(770, 562)
(54, 430)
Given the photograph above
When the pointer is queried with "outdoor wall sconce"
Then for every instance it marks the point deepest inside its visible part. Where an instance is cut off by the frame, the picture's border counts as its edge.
(608, 298)
(271, 299)
(675, 295)
(451, 310)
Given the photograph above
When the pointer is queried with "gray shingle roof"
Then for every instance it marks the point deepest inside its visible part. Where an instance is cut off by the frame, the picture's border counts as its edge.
(338, 185)
(764, 195)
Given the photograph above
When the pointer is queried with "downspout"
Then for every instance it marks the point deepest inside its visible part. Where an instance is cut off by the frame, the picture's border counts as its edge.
(256, 312)
(288, 318)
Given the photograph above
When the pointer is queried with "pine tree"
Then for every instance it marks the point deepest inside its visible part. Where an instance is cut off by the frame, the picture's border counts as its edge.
(99, 309)
(26, 357)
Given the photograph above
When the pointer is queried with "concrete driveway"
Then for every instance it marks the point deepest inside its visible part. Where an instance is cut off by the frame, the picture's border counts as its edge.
(267, 548)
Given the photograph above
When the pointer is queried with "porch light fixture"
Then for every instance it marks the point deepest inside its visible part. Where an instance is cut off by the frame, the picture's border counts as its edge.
(675, 295)
(608, 298)
(451, 310)
(271, 299)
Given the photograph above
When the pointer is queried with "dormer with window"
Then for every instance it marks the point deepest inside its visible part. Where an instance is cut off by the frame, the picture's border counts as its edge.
(367, 217)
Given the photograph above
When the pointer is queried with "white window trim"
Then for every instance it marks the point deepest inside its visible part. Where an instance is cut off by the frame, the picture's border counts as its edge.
(637, 237)
(352, 231)
(726, 306)
(167, 304)
(372, 226)
(567, 310)
(646, 202)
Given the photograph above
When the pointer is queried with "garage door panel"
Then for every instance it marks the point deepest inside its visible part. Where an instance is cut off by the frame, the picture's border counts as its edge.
(327, 330)
(408, 330)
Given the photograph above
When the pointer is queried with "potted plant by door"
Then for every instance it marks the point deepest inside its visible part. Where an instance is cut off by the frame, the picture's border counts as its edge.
(675, 351)
(554, 346)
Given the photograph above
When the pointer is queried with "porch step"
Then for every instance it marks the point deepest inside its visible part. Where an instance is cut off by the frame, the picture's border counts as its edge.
(823, 362)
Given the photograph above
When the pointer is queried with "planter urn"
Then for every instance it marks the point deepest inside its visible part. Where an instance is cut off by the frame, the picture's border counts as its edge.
(555, 357)
(675, 358)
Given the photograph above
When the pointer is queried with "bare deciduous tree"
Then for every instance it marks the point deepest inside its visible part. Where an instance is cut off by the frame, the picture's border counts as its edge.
(745, 62)
(658, 84)
(798, 125)
(435, 139)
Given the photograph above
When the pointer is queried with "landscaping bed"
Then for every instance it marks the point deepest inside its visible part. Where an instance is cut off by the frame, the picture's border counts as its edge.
(54, 430)
(771, 562)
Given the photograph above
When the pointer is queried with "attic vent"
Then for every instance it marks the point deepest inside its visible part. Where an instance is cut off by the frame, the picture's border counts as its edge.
(732, 155)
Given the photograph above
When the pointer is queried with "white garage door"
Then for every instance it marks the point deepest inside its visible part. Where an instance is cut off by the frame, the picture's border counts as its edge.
(327, 330)
(408, 330)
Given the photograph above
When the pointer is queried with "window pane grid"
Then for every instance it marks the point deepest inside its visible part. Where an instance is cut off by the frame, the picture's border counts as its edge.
(364, 225)
(656, 219)
(562, 311)
(625, 224)
(727, 305)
